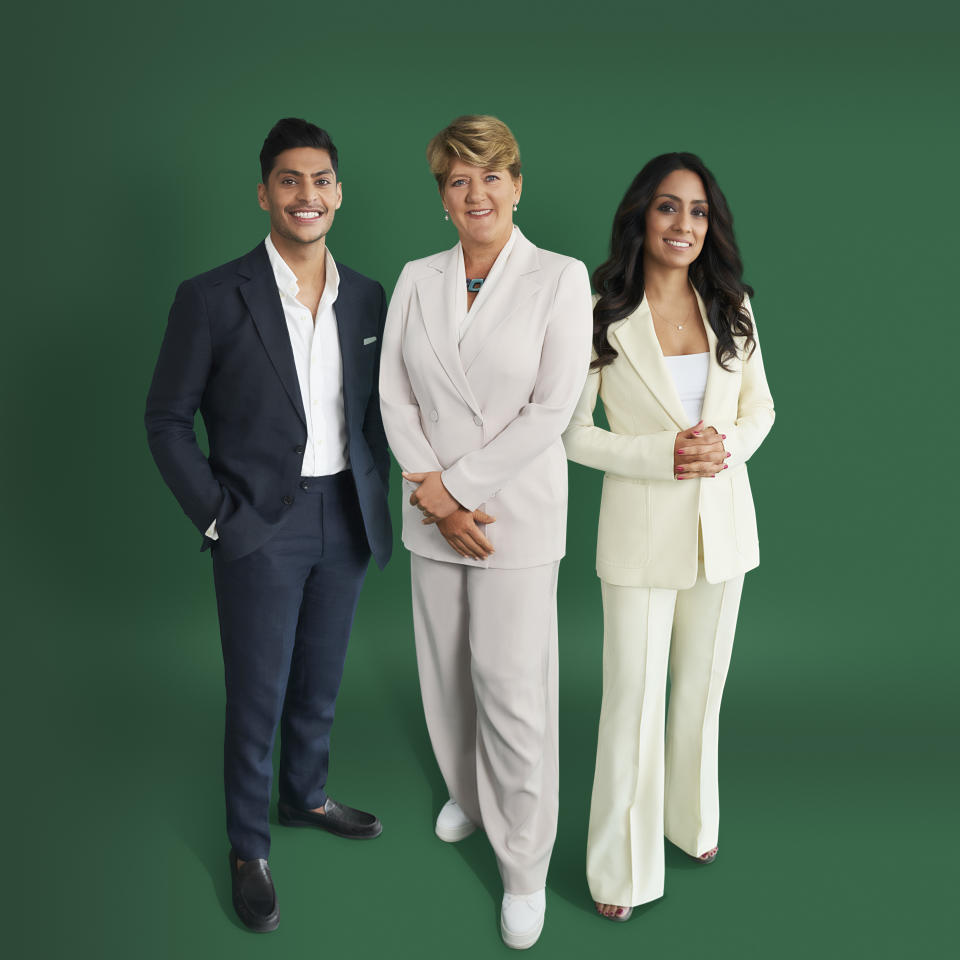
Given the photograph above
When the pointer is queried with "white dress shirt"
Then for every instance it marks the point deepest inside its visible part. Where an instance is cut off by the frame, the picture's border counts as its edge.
(316, 353)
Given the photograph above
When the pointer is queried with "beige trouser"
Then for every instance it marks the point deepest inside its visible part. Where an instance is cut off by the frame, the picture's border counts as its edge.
(642, 790)
(487, 654)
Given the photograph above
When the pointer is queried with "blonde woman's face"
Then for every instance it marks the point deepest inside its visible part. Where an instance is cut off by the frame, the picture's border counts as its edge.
(480, 203)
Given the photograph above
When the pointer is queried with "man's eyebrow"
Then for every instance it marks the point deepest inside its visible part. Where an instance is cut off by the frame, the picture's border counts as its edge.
(300, 173)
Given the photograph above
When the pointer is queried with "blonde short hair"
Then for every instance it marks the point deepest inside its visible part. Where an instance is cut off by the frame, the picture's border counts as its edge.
(480, 140)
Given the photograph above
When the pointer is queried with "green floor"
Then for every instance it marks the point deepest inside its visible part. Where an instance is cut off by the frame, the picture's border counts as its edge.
(830, 841)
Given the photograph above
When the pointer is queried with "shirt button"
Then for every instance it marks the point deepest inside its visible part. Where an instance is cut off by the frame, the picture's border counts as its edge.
(478, 420)
(286, 500)
(434, 416)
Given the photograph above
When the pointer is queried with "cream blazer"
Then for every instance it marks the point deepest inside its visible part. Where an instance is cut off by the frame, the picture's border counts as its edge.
(488, 412)
(648, 533)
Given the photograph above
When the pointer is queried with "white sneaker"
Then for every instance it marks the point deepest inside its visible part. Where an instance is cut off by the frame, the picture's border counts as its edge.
(453, 824)
(521, 919)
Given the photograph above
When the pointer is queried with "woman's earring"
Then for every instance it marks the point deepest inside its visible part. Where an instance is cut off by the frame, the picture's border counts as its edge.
(446, 216)
(515, 207)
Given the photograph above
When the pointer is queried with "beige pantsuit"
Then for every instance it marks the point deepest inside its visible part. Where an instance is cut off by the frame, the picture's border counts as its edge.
(487, 655)
(487, 410)
(671, 555)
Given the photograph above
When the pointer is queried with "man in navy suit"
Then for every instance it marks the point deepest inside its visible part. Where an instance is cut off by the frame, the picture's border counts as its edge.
(280, 352)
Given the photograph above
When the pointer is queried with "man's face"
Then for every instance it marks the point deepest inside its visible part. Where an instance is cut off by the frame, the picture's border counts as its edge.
(301, 195)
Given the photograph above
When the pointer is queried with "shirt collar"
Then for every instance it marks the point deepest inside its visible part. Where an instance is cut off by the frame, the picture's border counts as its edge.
(287, 280)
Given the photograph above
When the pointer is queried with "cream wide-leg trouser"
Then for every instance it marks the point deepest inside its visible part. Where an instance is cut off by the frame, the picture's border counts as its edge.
(644, 788)
(487, 654)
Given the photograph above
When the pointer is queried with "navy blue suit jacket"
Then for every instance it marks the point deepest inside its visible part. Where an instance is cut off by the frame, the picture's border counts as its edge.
(227, 352)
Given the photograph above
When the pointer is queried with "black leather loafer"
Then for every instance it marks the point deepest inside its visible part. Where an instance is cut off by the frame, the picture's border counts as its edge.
(339, 819)
(254, 898)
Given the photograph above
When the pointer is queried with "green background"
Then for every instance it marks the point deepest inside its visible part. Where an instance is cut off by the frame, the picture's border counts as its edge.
(130, 163)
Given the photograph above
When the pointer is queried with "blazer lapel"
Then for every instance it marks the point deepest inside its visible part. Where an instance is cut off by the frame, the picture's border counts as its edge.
(714, 371)
(517, 283)
(439, 303)
(263, 301)
(345, 312)
(637, 339)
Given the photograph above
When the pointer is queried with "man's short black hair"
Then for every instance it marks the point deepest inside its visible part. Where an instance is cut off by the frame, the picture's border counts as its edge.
(288, 134)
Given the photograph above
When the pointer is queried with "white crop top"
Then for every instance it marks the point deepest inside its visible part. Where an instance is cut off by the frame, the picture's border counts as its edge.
(689, 373)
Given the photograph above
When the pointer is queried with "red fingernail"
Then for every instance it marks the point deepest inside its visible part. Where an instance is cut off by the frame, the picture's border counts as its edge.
(727, 454)
(723, 436)
(679, 451)
(696, 433)
(679, 469)
(726, 465)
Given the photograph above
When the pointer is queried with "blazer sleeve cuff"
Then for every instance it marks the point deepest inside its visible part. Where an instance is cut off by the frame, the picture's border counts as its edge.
(461, 490)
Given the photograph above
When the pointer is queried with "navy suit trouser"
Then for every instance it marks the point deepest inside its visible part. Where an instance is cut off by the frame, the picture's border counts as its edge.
(285, 616)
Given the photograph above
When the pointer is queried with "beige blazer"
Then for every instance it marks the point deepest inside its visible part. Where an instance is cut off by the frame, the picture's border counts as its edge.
(488, 412)
(648, 520)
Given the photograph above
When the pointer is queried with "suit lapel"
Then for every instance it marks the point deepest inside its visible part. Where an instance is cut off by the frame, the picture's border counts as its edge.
(516, 284)
(439, 303)
(637, 339)
(345, 312)
(263, 301)
(714, 371)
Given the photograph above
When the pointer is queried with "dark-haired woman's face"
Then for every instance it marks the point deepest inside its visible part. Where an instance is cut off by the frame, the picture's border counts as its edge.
(676, 221)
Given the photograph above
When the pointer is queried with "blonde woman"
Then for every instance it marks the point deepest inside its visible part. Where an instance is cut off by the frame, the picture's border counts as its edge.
(678, 367)
(485, 351)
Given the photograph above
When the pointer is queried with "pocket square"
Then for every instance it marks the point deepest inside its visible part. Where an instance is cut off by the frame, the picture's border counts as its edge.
(367, 340)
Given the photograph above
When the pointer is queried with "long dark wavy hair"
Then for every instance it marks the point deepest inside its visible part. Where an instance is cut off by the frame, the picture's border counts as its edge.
(716, 273)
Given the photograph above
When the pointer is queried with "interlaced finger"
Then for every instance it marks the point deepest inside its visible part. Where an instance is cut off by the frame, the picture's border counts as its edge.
(702, 468)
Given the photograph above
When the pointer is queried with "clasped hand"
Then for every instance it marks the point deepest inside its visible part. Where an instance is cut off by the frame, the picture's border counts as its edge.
(431, 497)
(699, 452)
(457, 524)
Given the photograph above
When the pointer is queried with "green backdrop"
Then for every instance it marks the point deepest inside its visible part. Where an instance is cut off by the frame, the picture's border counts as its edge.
(131, 162)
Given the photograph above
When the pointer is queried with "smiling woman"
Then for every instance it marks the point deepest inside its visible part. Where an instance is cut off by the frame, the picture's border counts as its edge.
(678, 368)
(485, 350)
(476, 163)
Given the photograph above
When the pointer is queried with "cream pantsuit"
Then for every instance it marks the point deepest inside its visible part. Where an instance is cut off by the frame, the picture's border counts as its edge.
(643, 790)
(671, 555)
(487, 410)
(487, 654)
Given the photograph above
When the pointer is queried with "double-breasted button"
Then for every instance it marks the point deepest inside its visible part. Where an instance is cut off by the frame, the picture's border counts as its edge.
(478, 420)
(299, 448)
(434, 416)
(286, 499)
(304, 485)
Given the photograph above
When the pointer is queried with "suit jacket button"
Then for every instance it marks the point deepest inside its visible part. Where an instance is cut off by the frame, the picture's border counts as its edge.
(434, 416)
(299, 448)
(286, 499)
(304, 485)
(478, 420)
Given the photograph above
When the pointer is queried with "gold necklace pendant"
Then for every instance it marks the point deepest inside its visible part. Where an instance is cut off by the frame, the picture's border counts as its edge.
(679, 326)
